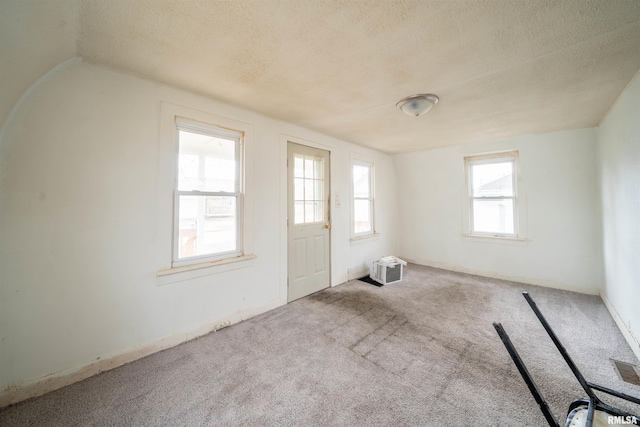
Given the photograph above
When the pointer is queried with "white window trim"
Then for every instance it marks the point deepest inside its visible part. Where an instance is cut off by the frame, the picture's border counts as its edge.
(167, 270)
(193, 271)
(519, 201)
(360, 161)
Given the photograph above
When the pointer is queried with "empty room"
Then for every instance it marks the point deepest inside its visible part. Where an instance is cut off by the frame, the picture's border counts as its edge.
(319, 212)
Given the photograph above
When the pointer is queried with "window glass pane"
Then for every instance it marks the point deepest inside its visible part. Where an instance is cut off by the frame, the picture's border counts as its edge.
(319, 168)
(308, 167)
(308, 189)
(188, 168)
(318, 190)
(319, 211)
(361, 181)
(206, 225)
(298, 188)
(493, 216)
(298, 166)
(362, 216)
(492, 179)
(220, 175)
(309, 212)
(207, 163)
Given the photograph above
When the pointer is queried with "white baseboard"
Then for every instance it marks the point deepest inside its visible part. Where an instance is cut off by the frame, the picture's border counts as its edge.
(17, 393)
(624, 328)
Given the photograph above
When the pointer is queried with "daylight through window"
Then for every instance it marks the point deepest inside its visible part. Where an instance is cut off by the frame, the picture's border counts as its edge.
(208, 195)
(308, 184)
(492, 190)
(362, 198)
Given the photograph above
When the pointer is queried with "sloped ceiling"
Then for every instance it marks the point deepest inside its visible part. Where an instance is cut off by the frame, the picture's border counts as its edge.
(501, 68)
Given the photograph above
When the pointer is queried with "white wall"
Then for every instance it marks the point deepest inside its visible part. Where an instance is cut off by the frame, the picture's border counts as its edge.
(619, 168)
(81, 234)
(560, 213)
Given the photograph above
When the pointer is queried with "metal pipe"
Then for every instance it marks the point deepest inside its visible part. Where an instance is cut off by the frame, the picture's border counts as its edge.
(614, 393)
(533, 388)
(561, 349)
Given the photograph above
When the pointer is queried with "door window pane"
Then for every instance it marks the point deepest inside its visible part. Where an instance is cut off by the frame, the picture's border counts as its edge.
(298, 189)
(308, 189)
(298, 167)
(318, 214)
(318, 189)
(309, 168)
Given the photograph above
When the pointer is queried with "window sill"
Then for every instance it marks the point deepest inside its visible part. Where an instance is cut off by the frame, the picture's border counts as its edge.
(186, 272)
(356, 240)
(481, 238)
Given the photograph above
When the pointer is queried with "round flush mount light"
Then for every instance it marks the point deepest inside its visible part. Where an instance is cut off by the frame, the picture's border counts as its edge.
(417, 105)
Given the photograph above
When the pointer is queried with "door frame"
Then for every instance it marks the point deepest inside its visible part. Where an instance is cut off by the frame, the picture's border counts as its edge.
(284, 200)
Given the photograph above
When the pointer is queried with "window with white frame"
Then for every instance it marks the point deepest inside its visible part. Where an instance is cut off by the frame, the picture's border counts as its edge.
(363, 198)
(208, 193)
(492, 187)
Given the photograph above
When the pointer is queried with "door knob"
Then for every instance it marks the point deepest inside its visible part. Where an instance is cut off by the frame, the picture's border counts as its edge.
(327, 226)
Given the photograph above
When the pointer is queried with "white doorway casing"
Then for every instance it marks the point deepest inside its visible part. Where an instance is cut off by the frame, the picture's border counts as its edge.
(308, 220)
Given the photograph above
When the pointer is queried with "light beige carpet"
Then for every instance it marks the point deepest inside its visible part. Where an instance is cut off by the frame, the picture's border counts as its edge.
(422, 352)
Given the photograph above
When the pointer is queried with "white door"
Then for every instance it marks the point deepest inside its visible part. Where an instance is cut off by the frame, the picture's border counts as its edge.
(309, 220)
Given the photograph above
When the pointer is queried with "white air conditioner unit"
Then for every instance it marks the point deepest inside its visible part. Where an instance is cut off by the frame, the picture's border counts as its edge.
(387, 270)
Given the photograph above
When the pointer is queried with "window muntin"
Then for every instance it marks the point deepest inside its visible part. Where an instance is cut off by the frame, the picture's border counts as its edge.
(308, 189)
(208, 195)
(492, 193)
(362, 175)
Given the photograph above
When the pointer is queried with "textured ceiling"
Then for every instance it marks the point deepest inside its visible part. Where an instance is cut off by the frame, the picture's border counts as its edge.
(501, 68)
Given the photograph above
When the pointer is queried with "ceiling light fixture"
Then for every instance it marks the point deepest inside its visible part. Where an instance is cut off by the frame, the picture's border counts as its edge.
(417, 105)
